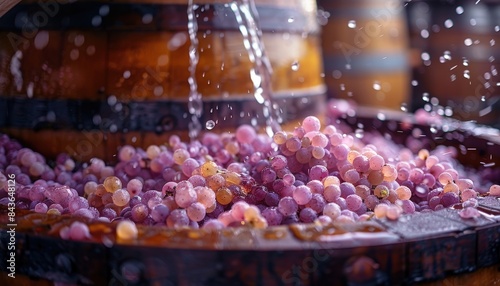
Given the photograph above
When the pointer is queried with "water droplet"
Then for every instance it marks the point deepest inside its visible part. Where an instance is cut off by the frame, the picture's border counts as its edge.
(404, 107)
(460, 10)
(381, 116)
(291, 20)
(79, 40)
(414, 82)
(74, 54)
(29, 89)
(448, 111)
(483, 98)
(377, 86)
(96, 21)
(342, 86)
(351, 24)
(425, 97)
(453, 77)
(424, 34)
(104, 10)
(425, 56)
(112, 100)
(465, 62)
(468, 42)
(492, 42)
(210, 124)
(467, 74)
(448, 23)
(126, 74)
(497, 28)
(295, 66)
(348, 66)
(447, 55)
(473, 22)
(41, 40)
(434, 101)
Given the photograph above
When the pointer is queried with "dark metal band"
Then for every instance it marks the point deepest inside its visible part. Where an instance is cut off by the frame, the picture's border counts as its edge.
(151, 116)
(90, 15)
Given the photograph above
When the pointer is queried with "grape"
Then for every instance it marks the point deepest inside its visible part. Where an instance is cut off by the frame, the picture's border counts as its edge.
(213, 224)
(287, 206)
(302, 195)
(449, 199)
(272, 199)
(78, 231)
(362, 191)
(196, 212)
(178, 218)
(340, 152)
(307, 215)
(77, 203)
(126, 230)
(272, 216)
(380, 210)
(311, 123)
(121, 197)
(407, 206)
(112, 184)
(224, 196)
(353, 202)
(41, 208)
(403, 193)
(139, 212)
(318, 172)
(185, 194)
(371, 202)
(494, 190)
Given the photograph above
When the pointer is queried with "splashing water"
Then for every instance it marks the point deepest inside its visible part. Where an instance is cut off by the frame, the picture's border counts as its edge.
(195, 102)
(246, 16)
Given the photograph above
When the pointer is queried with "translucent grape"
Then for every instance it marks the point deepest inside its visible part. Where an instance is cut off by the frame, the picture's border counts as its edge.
(494, 190)
(376, 162)
(353, 202)
(302, 195)
(224, 196)
(332, 210)
(272, 216)
(112, 184)
(307, 215)
(208, 169)
(178, 218)
(332, 193)
(287, 206)
(245, 134)
(196, 211)
(121, 197)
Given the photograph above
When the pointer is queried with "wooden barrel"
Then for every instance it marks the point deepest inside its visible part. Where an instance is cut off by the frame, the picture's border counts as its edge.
(365, 51)
(89, 76)
(457, 44)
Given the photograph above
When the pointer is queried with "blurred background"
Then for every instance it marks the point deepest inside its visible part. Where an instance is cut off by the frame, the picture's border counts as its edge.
(439, 56)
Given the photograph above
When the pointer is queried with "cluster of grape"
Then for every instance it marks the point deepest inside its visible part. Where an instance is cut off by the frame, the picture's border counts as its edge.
(223, 180)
